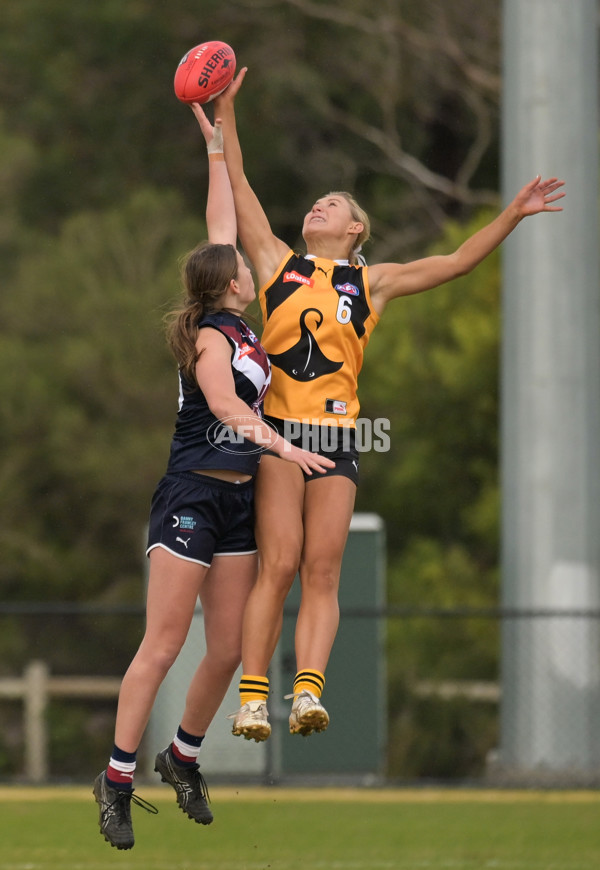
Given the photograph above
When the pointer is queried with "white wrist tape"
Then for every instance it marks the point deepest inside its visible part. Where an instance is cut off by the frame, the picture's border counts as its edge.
(215, 146)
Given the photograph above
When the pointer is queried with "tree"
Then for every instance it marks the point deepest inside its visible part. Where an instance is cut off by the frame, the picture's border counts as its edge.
(399, 104)
(89, 397)
(431, 370)
(397, 101)
(103, 181)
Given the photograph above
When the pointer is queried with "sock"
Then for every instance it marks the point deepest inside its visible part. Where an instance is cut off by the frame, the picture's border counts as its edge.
(120, 770)
(309, 681)
(185, 748)
(253, 688)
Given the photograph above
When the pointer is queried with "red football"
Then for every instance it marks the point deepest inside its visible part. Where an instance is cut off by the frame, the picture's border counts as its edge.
(204, 72)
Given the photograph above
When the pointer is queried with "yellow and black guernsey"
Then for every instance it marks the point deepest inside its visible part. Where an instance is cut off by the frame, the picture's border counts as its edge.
(318, 318)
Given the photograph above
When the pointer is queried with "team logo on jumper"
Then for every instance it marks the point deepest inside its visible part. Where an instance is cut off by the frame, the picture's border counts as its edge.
(351, 289)
(305, 360)
(297, 278)
(186, 524)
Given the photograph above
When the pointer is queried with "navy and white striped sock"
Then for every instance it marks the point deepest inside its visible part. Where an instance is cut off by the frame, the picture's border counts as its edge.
(185, 748)
(121, 769)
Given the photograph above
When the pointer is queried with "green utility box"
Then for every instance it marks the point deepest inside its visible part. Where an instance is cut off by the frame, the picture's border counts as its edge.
(355, 690)
(355, 696)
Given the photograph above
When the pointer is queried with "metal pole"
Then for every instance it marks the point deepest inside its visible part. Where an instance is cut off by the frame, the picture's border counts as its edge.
(551, 395)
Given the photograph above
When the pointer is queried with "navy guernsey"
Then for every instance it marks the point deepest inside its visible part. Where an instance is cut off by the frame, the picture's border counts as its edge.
(200, 440)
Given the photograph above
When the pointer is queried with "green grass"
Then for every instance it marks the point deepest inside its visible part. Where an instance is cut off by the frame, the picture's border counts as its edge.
(279, 829)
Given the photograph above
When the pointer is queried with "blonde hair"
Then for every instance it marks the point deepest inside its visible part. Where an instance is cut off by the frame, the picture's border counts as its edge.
(206, 274)
(360, 215)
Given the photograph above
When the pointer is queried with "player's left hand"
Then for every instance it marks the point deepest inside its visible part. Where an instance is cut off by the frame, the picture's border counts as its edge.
(538, 195)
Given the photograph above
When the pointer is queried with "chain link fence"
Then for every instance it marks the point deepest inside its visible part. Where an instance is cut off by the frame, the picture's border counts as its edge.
(444, 707)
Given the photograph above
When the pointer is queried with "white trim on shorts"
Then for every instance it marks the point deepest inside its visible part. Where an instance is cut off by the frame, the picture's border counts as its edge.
(177, 555)
(241, 553)
(197, 561)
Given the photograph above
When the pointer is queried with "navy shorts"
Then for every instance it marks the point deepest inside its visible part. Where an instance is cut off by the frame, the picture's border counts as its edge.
(335, 442)
(196, 517)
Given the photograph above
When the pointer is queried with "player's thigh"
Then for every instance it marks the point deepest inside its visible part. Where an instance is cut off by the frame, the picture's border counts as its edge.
(328, 507)
(173, 588)
(279, 498)
(224, 594)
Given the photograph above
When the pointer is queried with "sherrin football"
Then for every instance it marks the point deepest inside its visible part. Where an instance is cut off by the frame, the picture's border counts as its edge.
(204, 72)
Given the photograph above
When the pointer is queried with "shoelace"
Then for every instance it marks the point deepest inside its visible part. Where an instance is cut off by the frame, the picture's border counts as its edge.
(200, 783)
(131, 797)
(309, 697)
(252, 712)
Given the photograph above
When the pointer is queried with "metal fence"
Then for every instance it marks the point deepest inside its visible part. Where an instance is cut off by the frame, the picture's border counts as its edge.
(443, 710)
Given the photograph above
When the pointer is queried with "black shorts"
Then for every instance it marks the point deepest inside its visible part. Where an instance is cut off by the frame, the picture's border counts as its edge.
(334, 442)
(196, 517)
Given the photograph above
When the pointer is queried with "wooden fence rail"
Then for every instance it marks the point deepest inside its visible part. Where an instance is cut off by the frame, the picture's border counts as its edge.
(35, 689)
(37, 686)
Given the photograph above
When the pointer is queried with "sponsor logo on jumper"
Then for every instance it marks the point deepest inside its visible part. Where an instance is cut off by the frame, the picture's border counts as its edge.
(351, 289)
(297, 278)
(335, 406)
(245, 349)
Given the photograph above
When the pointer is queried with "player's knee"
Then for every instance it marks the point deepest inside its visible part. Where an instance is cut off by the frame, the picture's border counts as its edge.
(225, 659)
(161, 657)
(279, 572)
(322, 578)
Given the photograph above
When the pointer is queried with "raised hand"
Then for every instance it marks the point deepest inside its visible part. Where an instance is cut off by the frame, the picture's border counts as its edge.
(230, 92)
(538, 195)
(210, 133)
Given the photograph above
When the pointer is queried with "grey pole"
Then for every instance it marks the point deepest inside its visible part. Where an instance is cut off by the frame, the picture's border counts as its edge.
(550, 713)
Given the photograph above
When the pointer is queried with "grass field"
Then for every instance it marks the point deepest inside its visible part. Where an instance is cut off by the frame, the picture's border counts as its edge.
(321, 829)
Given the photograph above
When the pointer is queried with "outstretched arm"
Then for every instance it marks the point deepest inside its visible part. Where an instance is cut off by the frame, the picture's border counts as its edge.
(389, 280)
(220, 207)
(263, 248)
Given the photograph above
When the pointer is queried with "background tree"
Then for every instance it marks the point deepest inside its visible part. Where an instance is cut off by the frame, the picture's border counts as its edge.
(103, 181)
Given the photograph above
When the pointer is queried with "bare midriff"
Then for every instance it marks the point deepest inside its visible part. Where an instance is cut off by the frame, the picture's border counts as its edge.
(224, 474)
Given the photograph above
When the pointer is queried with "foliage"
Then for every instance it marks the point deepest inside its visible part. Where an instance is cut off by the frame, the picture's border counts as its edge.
(439, 739)
(90, 413)
(431, 369)
(397, 101)
(102, 121)
(103, 178)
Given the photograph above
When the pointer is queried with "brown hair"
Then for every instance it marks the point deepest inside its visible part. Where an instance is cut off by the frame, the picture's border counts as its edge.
(358, 214)
(206, 273)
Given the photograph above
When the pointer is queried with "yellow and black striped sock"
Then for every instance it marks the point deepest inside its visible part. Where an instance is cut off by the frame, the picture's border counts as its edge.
(309, 681)
(253, 688)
